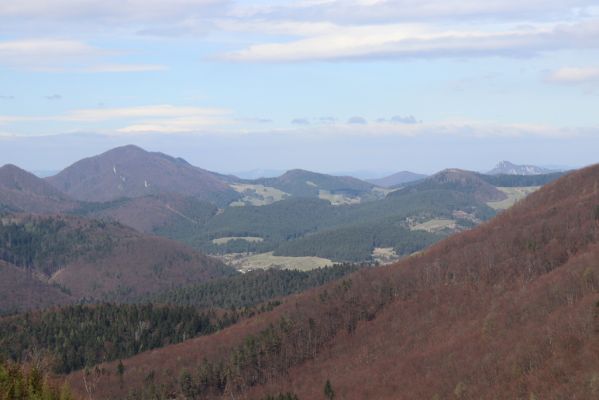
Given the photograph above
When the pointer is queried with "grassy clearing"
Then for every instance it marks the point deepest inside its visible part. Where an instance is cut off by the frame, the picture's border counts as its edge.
(381, 192)
(435, 225)
(514, 194)
(267, 261)
(338, 199)
(257, 195)
(384, 255)
(225, 240)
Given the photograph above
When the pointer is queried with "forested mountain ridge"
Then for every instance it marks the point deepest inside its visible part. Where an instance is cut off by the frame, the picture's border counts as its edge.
(92, 259)
(467, 182)
(153, 213)
(506, 308)
(302, 183)
(298, 214)
(72, 337)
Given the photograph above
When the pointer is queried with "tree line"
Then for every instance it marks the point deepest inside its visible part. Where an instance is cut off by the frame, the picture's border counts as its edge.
(84, 335)
(250, 289)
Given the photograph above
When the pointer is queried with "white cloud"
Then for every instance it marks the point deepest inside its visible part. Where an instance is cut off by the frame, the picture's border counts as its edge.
(46, 53)
(457, 129)
(334, 42)
(106, 10)
(368, 11)
(168, 119)
(152, 111)
(64, 55)
(575, 75)
(142, 119)
(7, 119)
(108, 68)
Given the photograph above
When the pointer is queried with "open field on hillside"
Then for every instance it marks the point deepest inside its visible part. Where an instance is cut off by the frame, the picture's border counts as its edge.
(384, 255)
(435, 225)
(338, 199)
(244, 262)
(257, 195)
(514, 194)
(250, 239)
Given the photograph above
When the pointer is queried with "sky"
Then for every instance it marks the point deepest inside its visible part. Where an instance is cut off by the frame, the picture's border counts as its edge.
(369, 86)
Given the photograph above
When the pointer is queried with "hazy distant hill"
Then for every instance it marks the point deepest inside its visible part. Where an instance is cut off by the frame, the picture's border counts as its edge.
(396, 179)
(508, 308)
(507, 168)
(130, 171)
(458, 180)
(302, 183)
(23, 191)
(101, 260)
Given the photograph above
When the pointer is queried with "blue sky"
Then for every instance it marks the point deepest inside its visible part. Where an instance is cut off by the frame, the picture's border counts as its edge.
(329, 85)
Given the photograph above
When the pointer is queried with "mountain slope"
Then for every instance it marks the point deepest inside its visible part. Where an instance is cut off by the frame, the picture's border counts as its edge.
(153, 213)
(130, 171)
(20, 291)
(467, 182)
(100, 260)
(508, 168)
(23, 191)
(399, 178)
(301, 183)
(506, 310)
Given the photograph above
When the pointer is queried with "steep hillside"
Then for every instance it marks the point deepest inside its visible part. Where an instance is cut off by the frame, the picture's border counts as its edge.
(130, 171)
(399, 178)
(20, 290)
(170, 213)
(507, 310)
(23, 191)
(100, 260)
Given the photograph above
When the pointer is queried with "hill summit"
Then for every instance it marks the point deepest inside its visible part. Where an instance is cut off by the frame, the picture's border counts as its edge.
(130, 171)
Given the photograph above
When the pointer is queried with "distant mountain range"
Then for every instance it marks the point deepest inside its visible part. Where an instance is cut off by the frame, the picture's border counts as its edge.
(508, 168)
(297, 214)
(397, 179)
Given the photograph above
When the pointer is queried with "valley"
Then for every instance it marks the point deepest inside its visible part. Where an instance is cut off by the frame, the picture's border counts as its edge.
(300, 219)
(467, 305)
(291, 265)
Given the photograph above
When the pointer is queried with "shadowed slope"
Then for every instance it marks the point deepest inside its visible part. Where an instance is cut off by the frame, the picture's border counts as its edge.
(101, 260)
